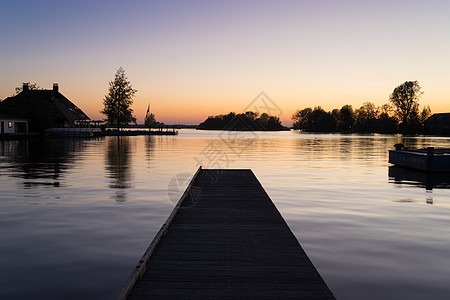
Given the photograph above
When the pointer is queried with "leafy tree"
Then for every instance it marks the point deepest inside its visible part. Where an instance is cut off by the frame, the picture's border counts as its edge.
(31, 86)
(301, 118)
(274, 123)
(264, 119)
(335, 115)
(150, 120)
(365, 117)
(321, 121)
(268, 122)
(405, 98)
(425, 114)
(242, 122)
(251, 115)
(386, 109)
(118, 101)
(316, 119)
(346, 118)
(368, 110)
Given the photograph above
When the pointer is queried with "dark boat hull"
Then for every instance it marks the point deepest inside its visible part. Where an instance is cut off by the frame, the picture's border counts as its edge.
(438, 161)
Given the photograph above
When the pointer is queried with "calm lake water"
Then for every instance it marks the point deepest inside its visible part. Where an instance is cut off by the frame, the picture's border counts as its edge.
(77, 215)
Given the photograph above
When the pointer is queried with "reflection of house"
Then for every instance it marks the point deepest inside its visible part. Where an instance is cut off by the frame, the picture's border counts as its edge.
(44, 108)
(438, 124)
(13, 124)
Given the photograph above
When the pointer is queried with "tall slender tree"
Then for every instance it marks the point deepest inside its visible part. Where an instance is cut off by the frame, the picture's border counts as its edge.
(117, 103)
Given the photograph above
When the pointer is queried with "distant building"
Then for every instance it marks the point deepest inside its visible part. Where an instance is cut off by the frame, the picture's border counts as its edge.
(438, 124)
(13, 124)
(43, 108)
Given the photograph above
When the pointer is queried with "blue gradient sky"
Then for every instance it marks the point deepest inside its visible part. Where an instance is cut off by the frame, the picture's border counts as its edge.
(192, 59)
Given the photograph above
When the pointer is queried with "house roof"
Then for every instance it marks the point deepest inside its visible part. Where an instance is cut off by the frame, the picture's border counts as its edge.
(441, 115)
(52, 102)
(13, 118)
(438, 118)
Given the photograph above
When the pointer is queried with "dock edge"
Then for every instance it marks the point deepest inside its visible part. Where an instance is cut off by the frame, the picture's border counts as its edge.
(141, 266)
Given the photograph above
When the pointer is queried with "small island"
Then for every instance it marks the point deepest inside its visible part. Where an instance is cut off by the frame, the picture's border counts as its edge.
(249, 121)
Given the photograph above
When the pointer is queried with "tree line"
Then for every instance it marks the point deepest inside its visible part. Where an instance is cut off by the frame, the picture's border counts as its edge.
(400, 115)
(248, 121)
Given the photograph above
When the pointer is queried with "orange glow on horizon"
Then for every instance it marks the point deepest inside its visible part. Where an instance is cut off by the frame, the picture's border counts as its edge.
(192, 105)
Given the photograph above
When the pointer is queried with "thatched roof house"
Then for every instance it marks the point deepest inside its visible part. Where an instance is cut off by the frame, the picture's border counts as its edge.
(44, 108)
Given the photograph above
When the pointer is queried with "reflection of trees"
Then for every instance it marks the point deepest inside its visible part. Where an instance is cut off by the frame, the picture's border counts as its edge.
(361, 150)
(118, 163)
(347, 147)
(317, 147)
(40, 160)
(149, 147)
(413, 143)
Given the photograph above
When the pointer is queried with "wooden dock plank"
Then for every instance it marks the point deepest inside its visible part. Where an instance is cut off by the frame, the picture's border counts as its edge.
(226, 240)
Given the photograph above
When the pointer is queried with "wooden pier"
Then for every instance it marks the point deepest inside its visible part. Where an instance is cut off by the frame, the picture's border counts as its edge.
(225, 239)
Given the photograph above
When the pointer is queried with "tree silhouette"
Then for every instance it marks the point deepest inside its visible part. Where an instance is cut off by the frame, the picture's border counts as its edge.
(118, 101)
(150, 120)
(321, 121)
(31, 86)
(301, 118)
(315, 120)
(346, 118)
(405, 98)
(365, 117)
(387, 122)
(247, 121)
(425, 114)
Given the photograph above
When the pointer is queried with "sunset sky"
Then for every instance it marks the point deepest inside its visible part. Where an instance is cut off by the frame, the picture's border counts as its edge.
(191, 59)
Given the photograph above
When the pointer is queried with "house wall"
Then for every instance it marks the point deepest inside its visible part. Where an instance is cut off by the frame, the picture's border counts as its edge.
(13, 126)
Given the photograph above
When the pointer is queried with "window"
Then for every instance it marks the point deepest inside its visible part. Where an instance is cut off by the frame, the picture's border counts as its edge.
(9, 124)
(20, 127)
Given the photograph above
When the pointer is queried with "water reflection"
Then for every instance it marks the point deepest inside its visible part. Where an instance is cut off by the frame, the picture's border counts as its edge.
(342, 148)
(347, 147)
(41, 162)
(429, 181)
(332, 190)
(118, 162)
(149, 147)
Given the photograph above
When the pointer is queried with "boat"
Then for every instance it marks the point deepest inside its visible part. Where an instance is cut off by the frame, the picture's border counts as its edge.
(428, 159)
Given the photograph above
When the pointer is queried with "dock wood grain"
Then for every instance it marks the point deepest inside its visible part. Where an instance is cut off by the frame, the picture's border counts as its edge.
(225, 240)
